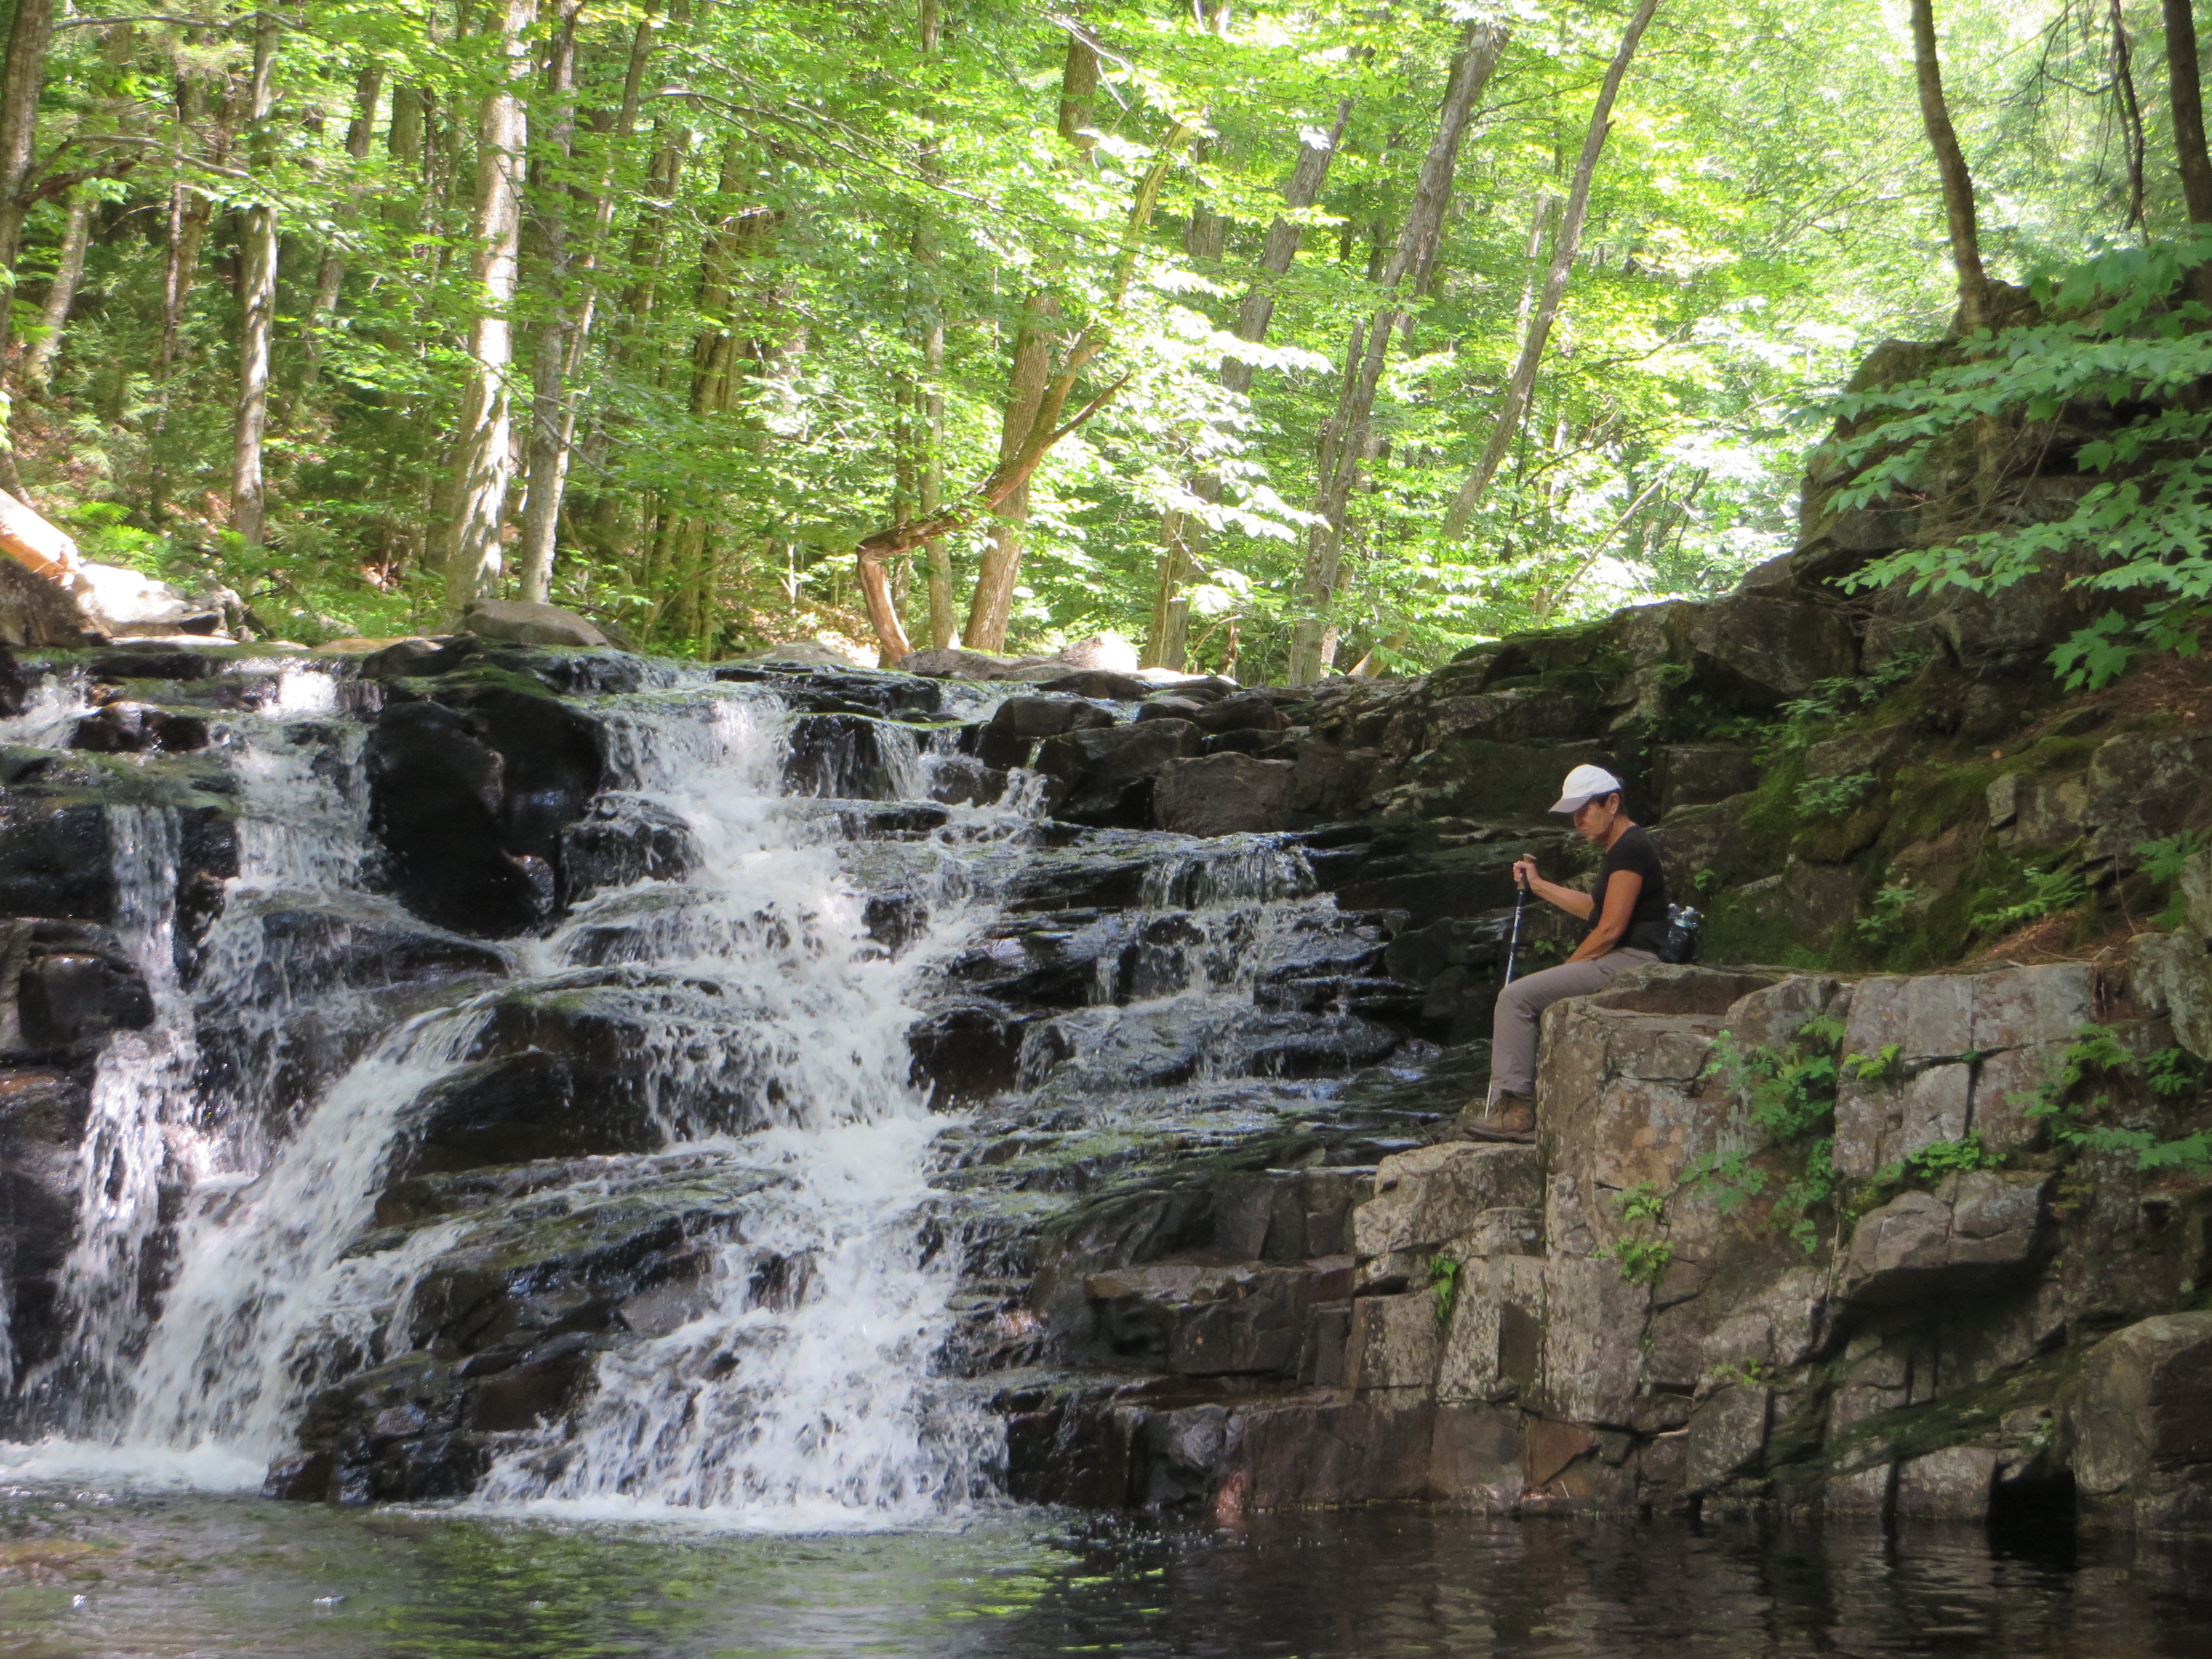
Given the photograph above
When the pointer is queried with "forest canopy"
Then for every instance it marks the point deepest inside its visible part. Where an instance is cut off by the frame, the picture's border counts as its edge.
(1278, 339)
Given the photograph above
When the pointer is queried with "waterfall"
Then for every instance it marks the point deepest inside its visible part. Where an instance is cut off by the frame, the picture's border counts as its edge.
(229, 1264)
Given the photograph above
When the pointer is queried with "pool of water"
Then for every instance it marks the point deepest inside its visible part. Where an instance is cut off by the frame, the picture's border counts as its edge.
(87, 1572)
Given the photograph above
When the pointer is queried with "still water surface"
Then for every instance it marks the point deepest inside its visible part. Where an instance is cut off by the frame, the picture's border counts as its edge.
(86, 1573)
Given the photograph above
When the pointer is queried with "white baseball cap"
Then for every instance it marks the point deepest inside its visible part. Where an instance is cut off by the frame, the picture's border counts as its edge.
(1584, 783)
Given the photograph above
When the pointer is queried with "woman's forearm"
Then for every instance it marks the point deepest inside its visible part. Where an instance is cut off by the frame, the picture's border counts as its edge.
(1576, 905)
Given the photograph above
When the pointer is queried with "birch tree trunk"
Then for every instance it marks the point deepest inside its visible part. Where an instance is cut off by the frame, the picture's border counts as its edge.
(482, 463)
(546, 451)
(1515, 407)
(1348, 439)
(61, 295)
(256, 301)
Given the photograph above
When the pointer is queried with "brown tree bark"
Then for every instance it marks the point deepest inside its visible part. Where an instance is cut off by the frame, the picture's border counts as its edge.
(482, 463)
(2186, 94)
(1951, 168)
(1348, 441)
(20, 78)
(992, 606)
(2131, 106)
(1506, 427)
(256, 298)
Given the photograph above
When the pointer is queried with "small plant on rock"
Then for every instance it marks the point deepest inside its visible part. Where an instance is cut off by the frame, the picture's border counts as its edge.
(1885, 915)
(1832, 797)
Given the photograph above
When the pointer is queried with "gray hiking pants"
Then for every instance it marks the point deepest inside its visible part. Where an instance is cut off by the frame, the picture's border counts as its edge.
(1521, 1003)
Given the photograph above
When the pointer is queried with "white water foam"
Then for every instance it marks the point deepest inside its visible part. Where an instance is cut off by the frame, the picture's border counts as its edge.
(800, 1395)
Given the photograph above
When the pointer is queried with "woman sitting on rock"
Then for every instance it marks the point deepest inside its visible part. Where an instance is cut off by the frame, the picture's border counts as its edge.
(1629, 906)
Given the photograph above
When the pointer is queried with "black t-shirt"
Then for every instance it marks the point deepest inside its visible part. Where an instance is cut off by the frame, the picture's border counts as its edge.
(1647, 923)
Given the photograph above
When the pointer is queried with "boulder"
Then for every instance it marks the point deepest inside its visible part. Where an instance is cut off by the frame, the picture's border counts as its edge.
(800, 653)
(470, 795)
(122, 603)
(72, 985)
(2172, 974)
(1974, 1233)
(1222, 795)
(37, 613)
(1523, 714)
(1018, 724)
(1696, 775)
(1777, 647)
(2145, 786)
(1396, 1343)
(1105, 776)
(519, 621)
(953, 664)
(1953, 1483)
(136, 728)
(1728, 1435)
(1424, 1197)
(43, 1113)
(2143, 1419)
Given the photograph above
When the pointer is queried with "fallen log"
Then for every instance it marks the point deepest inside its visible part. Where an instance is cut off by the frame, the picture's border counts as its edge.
(28, 539)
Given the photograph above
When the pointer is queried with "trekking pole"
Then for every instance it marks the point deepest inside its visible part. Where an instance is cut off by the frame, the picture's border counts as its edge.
(1520, 905)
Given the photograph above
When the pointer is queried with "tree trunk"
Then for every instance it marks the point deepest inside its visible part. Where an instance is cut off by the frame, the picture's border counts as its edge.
(257, 301)
(2188, 100)
(993, 602)
(1951, 167)
(21, 78)
(329, 275)
(1507, 426)
(943, 619)
(1348, 442)
(553, 488)
(1183, 535)
(61, 294)
(546, 451)
(482, 463)
(2130, 108)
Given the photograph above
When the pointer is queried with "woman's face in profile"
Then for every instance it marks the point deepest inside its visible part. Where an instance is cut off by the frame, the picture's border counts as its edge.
(1594, 817)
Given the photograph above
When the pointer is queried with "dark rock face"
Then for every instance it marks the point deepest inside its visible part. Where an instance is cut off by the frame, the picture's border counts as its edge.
(129, 729)
(470, 795)
(1222, 795)
(1104, 777)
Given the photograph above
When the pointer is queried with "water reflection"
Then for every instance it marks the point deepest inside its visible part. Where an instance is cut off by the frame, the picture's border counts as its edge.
(82, 1574)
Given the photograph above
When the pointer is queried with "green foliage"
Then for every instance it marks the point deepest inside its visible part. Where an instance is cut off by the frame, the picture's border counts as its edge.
(2048, 892)
(1789, 1094)
(1443, 1287)
(1832, 797)
(2096, 1056)
(1885, 1065)
(2164, 859)
(1642, 1256)
(2117, 333)
(1885, 914)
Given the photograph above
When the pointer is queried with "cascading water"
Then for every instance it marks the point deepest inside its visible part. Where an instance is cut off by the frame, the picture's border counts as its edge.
(799, 1387)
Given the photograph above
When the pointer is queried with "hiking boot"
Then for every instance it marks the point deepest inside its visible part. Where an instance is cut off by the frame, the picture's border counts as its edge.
(1511, 1118)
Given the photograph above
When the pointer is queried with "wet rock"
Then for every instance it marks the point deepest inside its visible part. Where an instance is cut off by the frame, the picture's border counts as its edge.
(1396, 1342)
(43, 1113)
(1728, 1435)
(1100, 682)
(305, 1478)
(519, 623)
(2143, 1421)
(470, 795)
(154, 662)
(1224, 794)
(1203, 1321)
(131, 728)
(840, 757)
(1020, 723)
(830, 691)
(1105, 777)
(1952, 1484)
(622, 840)
(74, 985)
(1974, 1233)
(54, 858)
